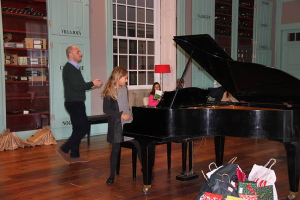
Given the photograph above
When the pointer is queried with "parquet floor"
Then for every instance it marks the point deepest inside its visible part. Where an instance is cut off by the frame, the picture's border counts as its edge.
(39, 173)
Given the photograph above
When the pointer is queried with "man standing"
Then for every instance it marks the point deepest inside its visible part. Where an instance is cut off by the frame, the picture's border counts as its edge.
(74, 92)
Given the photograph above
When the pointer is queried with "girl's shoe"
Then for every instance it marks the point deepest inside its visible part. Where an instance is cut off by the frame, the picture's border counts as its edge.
(110, 181)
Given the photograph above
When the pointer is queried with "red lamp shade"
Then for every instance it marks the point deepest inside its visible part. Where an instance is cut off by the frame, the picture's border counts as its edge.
(162, 69)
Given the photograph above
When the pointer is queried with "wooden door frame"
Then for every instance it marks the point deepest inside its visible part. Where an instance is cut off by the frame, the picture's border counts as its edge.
(2, 82)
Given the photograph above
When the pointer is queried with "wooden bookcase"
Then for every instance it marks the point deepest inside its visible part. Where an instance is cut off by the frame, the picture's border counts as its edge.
(223, 24)
(25, 35)
(245, 31)
(223, 27)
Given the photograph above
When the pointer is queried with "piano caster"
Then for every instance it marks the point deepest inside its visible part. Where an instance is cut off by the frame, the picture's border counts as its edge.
(146, 189)
(292, 196)
(187, 176)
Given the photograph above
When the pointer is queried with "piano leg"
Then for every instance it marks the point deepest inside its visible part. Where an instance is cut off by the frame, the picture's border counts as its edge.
(293, 161)
(169, 151)
(219, 149)
(190, 175)
(147, 150)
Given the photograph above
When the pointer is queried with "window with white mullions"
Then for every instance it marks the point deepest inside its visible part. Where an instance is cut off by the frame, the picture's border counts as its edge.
(134, 41)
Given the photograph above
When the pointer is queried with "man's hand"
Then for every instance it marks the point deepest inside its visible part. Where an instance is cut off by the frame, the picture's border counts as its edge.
(97, 83)
(125, 117)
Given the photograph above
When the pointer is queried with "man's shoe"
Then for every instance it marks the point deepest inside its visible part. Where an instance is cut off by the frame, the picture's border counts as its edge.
(64, 156)
(78, 160)
(110, 181)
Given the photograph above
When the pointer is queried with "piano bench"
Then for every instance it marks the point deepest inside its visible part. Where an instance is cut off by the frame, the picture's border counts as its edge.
(129, 145)
(95, 119)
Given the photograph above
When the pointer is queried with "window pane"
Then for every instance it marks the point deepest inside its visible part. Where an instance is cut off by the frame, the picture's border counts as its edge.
(121, 28)
(123, 46)
(142, 78)
(142, 47)
(121, 12)
(149, 4)
(297, 36)
(141, 30)
(115, 46)
(149, 31)
(141, 15)
(131, 2)
(132, 78)
(114, 28)
(114, 11)
(123, 61)
(149, 16)
(131, 29)
(115, 60)
(142, 62)
(291, 37)
(114, 1)
(132, 46)
(131, 14)
(122, 1)
(132, 63)
(150, 78)
(150, 48)
(141, 3)
(150, 62)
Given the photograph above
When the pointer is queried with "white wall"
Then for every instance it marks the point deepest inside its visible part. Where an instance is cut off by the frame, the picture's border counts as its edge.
(168, 48)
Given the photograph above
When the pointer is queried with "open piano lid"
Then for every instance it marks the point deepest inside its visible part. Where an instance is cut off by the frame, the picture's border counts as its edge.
(247, 82)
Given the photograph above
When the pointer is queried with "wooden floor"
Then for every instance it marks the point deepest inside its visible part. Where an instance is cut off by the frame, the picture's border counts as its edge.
(39, 173)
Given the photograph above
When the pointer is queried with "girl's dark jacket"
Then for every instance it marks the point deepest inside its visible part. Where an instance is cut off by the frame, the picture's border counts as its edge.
(115, 131)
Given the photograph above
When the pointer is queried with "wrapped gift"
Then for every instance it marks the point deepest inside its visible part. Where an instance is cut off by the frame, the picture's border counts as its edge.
(265, 193)
(247, 188)
(233, 198)
(248, 197)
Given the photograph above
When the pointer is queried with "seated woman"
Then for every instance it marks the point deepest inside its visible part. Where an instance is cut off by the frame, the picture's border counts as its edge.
(152, 100)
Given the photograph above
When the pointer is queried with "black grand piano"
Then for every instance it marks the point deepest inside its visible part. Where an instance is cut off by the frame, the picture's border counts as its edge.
(269, 107)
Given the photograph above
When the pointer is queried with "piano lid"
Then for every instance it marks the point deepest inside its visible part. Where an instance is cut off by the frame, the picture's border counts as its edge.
(248, 82)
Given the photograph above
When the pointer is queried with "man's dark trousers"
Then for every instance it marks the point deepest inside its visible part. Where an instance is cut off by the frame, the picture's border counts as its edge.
(80, 127)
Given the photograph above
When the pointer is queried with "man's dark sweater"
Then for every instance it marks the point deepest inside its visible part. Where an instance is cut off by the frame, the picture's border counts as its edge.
(74, 84)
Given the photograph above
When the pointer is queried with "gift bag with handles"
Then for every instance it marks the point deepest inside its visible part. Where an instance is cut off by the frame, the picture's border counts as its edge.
(224, 187)
(211, 196)
(264, 176)
(229, 169)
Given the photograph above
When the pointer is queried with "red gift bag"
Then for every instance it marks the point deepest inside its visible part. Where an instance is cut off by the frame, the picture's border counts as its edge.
(211, 196)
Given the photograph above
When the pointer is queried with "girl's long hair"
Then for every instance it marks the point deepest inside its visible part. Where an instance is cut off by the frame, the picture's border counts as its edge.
(113, 82)
(153, 88)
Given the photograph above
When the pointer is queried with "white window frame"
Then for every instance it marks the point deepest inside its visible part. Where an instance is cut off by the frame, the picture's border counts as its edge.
(156, 39)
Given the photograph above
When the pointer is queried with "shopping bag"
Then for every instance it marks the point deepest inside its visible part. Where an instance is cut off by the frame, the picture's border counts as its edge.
(241, 176)
(229, 169)
(233, 198)
(264, 176)
(248, 197)
(247, 188)
(206, 186)
(224, 187)
(211, 196)
(211, 171)
(265, 193)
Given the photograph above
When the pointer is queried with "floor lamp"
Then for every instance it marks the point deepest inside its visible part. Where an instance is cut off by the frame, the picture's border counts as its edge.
(162, 69)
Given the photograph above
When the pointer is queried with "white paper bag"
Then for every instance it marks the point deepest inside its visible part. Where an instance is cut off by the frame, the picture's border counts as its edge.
(264, 176)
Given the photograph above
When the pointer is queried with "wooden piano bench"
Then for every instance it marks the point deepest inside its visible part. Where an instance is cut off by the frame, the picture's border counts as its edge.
(96, 119)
